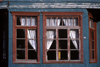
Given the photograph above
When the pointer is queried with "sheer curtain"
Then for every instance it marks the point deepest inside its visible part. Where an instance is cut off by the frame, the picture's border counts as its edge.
(31, 32)
(51, 33)
(72, 33)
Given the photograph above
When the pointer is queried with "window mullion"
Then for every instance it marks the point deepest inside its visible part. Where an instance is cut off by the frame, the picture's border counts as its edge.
(26, 45)
(68, 44)
(79, 45)
(57, 45)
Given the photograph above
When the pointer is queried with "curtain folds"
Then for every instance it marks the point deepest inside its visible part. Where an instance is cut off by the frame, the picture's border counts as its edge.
(51, 33)
(72, 33)
(31, 33)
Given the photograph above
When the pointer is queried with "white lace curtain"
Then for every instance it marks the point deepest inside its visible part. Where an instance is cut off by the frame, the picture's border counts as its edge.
(51, 33)
(72, 33)
(31, 33)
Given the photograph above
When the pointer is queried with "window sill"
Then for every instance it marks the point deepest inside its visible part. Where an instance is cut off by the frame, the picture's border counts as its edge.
(26, 62)
(63, 62)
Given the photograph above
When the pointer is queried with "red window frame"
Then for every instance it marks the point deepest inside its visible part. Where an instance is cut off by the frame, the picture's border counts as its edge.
(15, 15)
(57, 14)
(93, 29)
(1, 0)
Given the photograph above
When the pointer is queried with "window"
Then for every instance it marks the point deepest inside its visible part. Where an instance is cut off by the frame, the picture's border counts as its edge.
(62, 37)
(26, 37)
(92, 40)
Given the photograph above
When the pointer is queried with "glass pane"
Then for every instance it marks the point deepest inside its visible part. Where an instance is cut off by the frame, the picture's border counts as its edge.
(63, 55)
(62, 44)
(65, 21)
(18, 21)
(32, 44)
(74, 55)
(62, 33)
(34, 21)
(74, 33)
(23, 21)
(54, 22)
(70, 21)
(48, 21)
(31, 33)
(92, 44)
(51, 55)
(91, 23)
(75, 21)
(28, 21)
(51, 34)
(92, 35)
(20, 44)
(20, 54)
(51, 44)
(74, 44)
(59, 23)
(92, 54)
(32, 54)
(20, 33)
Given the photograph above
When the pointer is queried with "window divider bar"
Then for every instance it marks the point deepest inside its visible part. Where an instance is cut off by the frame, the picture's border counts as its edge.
(68, 45)
(26, 45)
(57, 44)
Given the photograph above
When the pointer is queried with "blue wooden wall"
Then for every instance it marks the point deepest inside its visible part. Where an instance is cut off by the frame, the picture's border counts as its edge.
(52, 0)
(85, 41)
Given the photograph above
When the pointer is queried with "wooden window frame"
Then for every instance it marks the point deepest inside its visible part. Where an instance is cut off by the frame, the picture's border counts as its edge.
(15, 14)
(1, 0)
(95, 40)
(45, 14)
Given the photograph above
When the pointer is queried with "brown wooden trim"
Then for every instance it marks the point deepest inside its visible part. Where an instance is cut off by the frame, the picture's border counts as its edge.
(1, 0)
(81, 37)
(62, 61)
(62, 13)
(25, 13)
(15, 27)
(95, 41)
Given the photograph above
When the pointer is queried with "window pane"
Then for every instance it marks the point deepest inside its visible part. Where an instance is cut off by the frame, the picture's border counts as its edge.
(93, 54)
(28, 21)
(62, 33)
(48, 21)
(63, 55)
(54, 22)
(20, 54)
(31, 33)
(65, 21)
(92, 44)
(18, 21)
(20, 33)
(20, 44)
(51, 34)
(32, 44)
(74, 44)
(51, 55)
(74, 33)
(62, 44)
(75, 21)
(51, 44)
(92, 35)
(74, 55)
(34, 21)
(32, 54)
(70, 21)
(91, 23)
